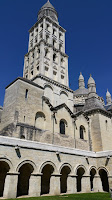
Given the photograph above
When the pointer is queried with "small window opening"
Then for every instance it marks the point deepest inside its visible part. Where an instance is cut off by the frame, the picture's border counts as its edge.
(54, 72)
(82, 130)
(62, 127)
(38, 50)
(40, 36)
(36, 40)
(60, 35)
(33, 55)
(46, 52)
(41, 26)
(47, 27)
(60, 47)
(38, 68)
(37, 30)
(47, 38)
(106, 122)
(32, 34)
(26, 76)
(54, 42)
(31, 44)
(54, 57)
(46, 68)
(62, 77)
(26, 94)
(54, 31)
(24, 118)
(62, 60)
(32, 73)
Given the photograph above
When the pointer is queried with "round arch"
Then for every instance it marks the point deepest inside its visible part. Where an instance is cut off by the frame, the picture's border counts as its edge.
(65, 170)
(66, 165)
(47, 163)
(103, 173)
(49, 86)
(92, 167)
(4, 169)
(26, 162)
(80, 166)
(8, 162)
(92, 173)
(104, 168)
(63, 92)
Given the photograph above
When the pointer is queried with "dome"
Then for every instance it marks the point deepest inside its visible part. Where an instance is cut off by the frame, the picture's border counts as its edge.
(91, 80)
(48, 10)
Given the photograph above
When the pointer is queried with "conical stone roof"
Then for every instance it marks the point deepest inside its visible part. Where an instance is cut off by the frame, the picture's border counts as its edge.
(47, 6)
(48, 10)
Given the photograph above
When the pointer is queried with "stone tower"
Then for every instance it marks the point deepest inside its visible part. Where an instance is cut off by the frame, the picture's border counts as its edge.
(46, 50)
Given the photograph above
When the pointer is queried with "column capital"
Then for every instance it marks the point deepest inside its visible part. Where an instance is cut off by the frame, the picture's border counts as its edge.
(72, 175)
(13, 173)
(56, 174)
(38, 174)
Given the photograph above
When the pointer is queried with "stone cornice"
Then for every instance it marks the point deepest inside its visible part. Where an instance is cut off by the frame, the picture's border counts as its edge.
(92, 111)
(46, 17)
(52, 81)
(12, 142)
(49, 45)
(98, 110)
(25, 80)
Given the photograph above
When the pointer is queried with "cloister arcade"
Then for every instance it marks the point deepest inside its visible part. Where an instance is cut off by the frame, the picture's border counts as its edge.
(47, 175)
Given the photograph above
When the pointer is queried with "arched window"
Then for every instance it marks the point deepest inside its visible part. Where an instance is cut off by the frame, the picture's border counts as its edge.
(63, 125)
(40, 120)
(82, 130)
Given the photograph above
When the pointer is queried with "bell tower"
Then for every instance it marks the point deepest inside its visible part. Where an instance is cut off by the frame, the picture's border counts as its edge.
(46, 50)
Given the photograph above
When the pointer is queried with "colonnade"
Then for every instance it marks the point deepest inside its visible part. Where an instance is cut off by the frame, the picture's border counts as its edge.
(49, 181)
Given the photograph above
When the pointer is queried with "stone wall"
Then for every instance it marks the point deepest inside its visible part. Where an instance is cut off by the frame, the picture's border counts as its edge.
(36, 156)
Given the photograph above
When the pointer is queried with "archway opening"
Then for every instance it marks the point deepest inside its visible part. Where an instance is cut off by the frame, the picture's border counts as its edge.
(4, 168)
(92, 174)
(63, 181)
(45, 179)
(80, 173)
(23, 179)
(104, 180)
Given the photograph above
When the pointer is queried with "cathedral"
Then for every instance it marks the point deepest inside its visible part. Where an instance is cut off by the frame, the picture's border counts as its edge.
(53, 140)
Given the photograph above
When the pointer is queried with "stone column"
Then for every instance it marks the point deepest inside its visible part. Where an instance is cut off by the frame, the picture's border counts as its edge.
(10, 187)
(71, 184)
(97, 184)
(55, 184)
(85, 184)
(110, 182)
(35, 185)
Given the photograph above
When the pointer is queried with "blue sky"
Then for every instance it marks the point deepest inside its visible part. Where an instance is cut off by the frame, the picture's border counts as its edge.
(88, 39)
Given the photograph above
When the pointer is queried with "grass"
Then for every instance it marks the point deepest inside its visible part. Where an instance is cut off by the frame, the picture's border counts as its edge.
(87, 196)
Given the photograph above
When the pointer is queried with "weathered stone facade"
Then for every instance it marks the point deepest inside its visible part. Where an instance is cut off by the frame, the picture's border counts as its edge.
(53, 139)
